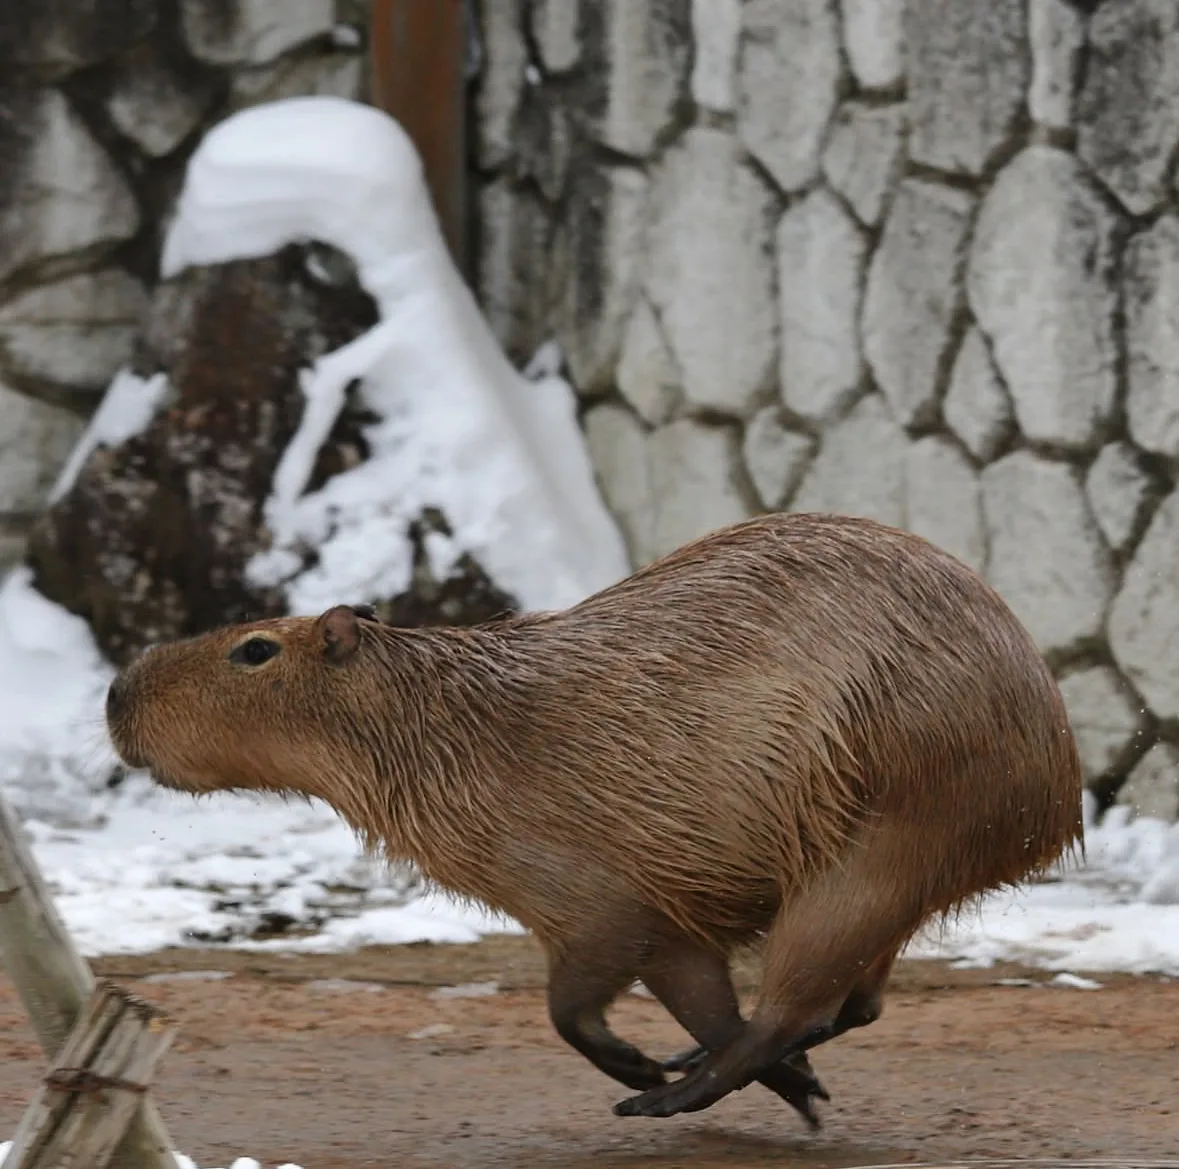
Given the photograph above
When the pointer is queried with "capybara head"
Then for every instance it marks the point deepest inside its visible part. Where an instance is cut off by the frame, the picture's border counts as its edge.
(269, 705)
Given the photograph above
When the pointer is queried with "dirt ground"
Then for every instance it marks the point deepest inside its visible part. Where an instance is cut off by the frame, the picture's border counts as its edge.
(284, 1061)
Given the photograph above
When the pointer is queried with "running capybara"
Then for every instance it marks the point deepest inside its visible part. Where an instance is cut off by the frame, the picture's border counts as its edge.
(812, 731)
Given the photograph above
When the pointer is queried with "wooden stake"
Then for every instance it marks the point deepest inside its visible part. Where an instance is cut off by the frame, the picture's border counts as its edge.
(54, 982)
(95, 1087)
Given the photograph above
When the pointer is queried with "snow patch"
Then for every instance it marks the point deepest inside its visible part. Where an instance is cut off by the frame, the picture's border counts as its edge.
(126, 409)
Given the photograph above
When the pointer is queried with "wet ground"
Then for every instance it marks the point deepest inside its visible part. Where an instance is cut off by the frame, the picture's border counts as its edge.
(288, 1059)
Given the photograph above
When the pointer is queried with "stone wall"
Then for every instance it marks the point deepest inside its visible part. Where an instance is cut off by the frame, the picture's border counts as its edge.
(918, 261)
(100, 105)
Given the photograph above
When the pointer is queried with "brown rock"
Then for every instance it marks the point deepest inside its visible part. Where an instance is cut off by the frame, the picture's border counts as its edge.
(152, 540)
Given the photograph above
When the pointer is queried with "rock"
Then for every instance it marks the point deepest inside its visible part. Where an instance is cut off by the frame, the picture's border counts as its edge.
(320, 75)
(788, 86)
(1106, 719)
(152, 540)
(603, 237)
(968, 71)
(556, 29)
(943, 500)
(647, 376)
(1041, 285)
(860, 467)
(1128, 109)
(59, 193)
(76, 332)
(648, 58)
(1151, 298)
(544, 142)
(1120, 492)
(59, 37)
(1046, 556)
(1143, 632)
(710, 278)
(35, 441)
(716, 34)
(157, 101)
(821, 259)
(775, 457)
(1152, 788)
(515, 243)
(1057, 32)
(874, 38)
(501, 81)
(617, 445)
(252, 32)
(694, 483)
(913, 294)
(976, 407)
(865, 156)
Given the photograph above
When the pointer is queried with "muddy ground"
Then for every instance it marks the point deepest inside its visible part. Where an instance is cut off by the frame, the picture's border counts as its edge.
(284, 1063)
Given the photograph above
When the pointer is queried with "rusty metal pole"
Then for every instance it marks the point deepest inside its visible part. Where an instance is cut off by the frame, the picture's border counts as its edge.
(419, 55)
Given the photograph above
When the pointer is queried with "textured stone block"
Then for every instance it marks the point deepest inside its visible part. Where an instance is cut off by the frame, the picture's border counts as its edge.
(865, 156)
(943, 500)
(35, 441)
(1128, 109)
(716, 33)
(59, 192)
(874, 39)
(710, 274)
(61, 36)
(976, 407)
(617, 445)
(788, 85)
(1041, 285)
(1106, 719)
(76, 332)
(695, 483)
(647, 374)
(1152, 788)
(914, 291)
(775, 457)
(1151, 284)
(1143, 631)
(1057, 30)
(860, 467)
(968, 72)
(821, 258)
(1120, 492)
(237, 32)
(1046, 556)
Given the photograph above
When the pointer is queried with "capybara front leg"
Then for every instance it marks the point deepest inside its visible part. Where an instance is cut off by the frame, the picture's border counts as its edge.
(581, 987)
(861, 1007)
(695, 986)
(818, 951)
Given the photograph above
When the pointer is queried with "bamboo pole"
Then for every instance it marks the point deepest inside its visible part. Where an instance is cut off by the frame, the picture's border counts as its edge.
(85, 1104)
(55, 983)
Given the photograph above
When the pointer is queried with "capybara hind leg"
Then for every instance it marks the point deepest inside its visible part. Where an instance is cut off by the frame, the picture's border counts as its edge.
(581, 987)
(817, 953)
(861, 1007)
(695, 986)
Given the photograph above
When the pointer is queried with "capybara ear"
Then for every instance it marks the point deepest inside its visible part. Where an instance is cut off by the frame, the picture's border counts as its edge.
(339, 633)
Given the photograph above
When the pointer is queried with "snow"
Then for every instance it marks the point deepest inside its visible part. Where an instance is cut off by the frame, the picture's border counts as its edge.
(500, 454)
(182, 1161)
(135, 868)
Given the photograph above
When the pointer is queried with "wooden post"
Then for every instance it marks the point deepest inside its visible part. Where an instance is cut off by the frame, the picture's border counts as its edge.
(418, 61)
(85, 1103)
(55, 983)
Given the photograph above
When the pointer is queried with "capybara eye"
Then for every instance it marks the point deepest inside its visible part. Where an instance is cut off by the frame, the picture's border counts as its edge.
(255, 652)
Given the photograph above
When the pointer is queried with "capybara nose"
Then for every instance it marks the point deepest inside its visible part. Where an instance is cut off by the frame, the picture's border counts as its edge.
(116, 698)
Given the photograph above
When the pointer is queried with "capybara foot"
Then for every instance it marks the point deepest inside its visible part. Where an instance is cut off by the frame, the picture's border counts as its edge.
(793, 1079)
(695, 1092)
(631, 1068)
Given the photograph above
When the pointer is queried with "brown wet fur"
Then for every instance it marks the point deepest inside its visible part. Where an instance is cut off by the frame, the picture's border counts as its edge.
(813, 732)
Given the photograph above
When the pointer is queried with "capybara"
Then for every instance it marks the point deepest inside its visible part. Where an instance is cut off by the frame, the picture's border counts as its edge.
(811, 731)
